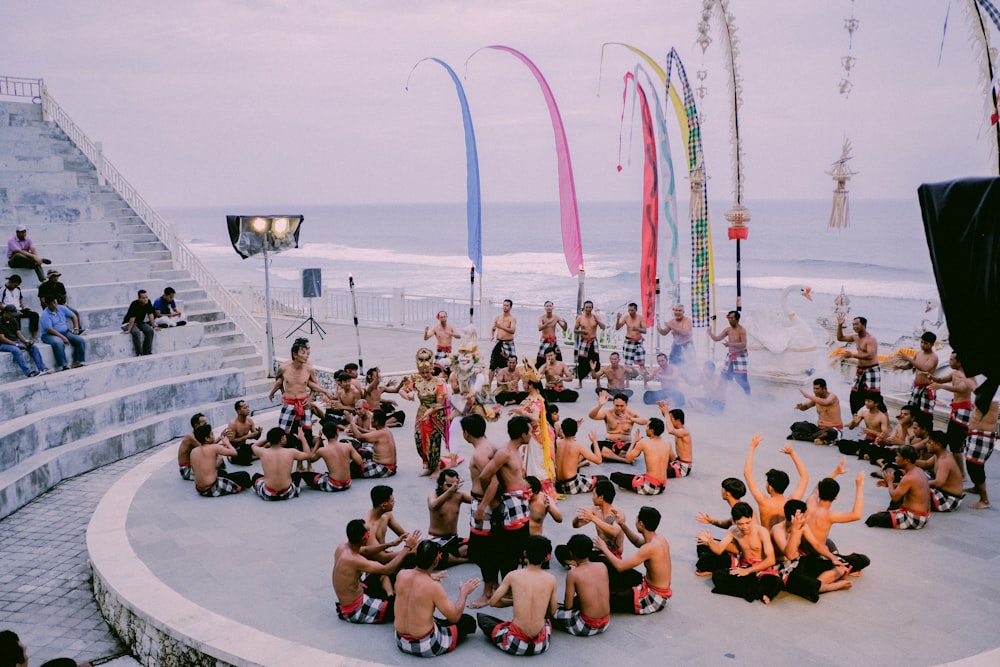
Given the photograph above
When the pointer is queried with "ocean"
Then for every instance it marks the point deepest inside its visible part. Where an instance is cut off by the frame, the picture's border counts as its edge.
(881, 261)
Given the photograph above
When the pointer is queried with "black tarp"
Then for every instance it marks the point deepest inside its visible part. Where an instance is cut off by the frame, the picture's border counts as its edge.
(962, 223)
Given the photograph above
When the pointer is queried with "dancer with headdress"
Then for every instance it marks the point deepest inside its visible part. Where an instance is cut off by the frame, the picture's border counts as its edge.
(539, 454)
(429, 427)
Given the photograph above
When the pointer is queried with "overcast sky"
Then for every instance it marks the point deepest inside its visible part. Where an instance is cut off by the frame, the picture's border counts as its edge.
(202, 102)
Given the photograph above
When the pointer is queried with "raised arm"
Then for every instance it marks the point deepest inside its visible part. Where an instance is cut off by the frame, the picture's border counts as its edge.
(800, 488)
(752, 487)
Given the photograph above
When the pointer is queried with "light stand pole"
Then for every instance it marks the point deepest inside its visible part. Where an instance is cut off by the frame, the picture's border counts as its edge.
(269, 328)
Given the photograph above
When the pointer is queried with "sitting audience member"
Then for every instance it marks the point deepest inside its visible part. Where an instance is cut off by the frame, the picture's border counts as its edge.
(138, 322)
(11, 295)
(419, 594)
(354, 604)
(165, 309)
(52, 287)
(14, 654)
(22, 253)
(14, 342)
(532, 592)
(586, 607)
(910, 499)
(56, 332)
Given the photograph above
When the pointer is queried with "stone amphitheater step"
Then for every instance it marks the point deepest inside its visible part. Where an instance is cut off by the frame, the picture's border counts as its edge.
(31, 477)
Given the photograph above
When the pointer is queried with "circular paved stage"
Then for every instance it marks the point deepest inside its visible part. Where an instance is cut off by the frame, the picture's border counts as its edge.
(249, 581)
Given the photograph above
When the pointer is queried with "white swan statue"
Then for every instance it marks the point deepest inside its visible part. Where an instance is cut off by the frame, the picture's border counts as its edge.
(781, 344)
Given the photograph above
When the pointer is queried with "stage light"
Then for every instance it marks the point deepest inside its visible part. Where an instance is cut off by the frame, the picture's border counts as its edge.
(264, 234)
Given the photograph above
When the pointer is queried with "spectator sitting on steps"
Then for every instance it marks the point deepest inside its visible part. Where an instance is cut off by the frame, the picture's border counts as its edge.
(13, 341)
(11, 295)
(166, 311)
(52, 287)
(54, 324)
(22, 253)
(138, 322)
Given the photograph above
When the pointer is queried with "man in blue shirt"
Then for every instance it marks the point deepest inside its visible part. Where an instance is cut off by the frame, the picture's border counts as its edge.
(54, 324)
(165, 309)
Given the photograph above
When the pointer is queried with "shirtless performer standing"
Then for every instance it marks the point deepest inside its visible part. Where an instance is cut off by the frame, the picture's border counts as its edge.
(505, 464)
(586, 609)
(533, 592)
(772, 505)
(503, 330)
(828, 417)
(276, 460)
(682, 352)
(482, 548)
(188, 442)
(923, 363)
(419, 594)
(296, 379)
(618, 420)
(868, 377)
(653, 553)
(978, 448)
(443, 333)
(911, 498)
(354, 605)
(588, 360)
(547, 323)
(961, 388)
(736, 366)
(635, 329)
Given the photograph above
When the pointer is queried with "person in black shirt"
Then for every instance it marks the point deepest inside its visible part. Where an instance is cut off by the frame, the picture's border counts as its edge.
(138, 322)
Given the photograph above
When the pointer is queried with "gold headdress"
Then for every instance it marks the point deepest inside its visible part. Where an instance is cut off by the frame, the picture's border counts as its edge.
(529, 373)
(425, 359)
(470, 342)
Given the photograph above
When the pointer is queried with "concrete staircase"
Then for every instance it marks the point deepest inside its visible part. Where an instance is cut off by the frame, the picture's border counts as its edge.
(60, 425)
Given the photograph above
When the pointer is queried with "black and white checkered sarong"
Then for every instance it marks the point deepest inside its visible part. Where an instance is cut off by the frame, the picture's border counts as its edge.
(649, 599)
(442, 639)
(904, 519)
(364, 610)
(979, 446)
(578, 625)
(944, 502)
(265, 493)
(634, 352)
(511, 639)
(923, 398)
(579, 484)
(647, 485)
(479, 527)
(868, 378)
(186, 472)
(223, 487)
(514, 505)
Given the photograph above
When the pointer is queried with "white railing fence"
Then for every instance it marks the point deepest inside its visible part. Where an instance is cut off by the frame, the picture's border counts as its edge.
(182, 256)
(15, 86)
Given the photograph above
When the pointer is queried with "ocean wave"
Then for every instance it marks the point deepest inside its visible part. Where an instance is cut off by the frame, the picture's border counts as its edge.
(853, 287)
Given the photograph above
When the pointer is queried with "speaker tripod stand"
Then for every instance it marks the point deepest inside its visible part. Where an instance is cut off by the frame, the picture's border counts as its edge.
(314, 326)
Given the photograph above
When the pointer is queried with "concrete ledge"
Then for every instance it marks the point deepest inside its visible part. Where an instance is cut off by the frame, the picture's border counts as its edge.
(159, 626)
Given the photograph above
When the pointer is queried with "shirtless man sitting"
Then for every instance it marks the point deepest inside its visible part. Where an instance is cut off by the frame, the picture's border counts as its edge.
(667, 377)
(708, 562)
(374, 393)
(616, 376)
(924, 363)
(337, 455)
(657, 453)
(547, 323)
(883, 448)
(682, 352)
(354, 604)
(296, 380)
(569, 454)
(345, 400)
(618, 421)
(820, 517)
(378, 449)
(586, 607)
(277, 461)
(805, 564)
(754, 577)
(635, 329)
(419, 594)
(187, 443)
(653, 553)
(911, 498)
(444, 506)
(556, 373)
(945, 477)
(876, 427)
(443, 334)
(533, 595)
(209, 480)
(608, 523)
(508, 391)
(830, 424)
(242, 433)
(772, 504)
(588, 359)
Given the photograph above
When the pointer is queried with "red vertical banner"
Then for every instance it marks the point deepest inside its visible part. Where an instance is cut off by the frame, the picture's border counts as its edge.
(650, 212)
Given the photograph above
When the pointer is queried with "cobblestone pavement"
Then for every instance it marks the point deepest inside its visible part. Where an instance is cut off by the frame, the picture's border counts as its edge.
(45, 588)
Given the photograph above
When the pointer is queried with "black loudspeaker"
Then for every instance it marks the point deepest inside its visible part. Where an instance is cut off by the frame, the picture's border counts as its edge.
(312, 283)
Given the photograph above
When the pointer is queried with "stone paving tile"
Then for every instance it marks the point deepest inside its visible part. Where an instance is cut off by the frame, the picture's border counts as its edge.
(45, 590)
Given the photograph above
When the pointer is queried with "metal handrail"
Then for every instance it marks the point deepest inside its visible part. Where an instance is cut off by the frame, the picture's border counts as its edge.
(182, 256)
(16, 86)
